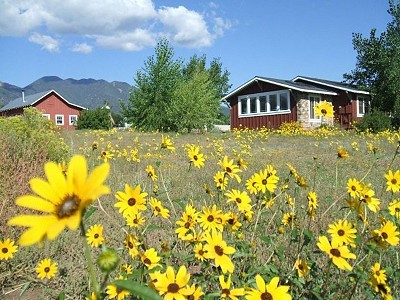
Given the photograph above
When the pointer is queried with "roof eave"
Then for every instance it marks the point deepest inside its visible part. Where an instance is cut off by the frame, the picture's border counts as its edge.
(332, 86)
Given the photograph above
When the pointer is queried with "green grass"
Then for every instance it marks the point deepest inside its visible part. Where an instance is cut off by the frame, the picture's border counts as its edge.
(260, 247)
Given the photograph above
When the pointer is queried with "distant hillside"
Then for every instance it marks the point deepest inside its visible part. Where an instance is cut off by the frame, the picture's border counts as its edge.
(89, 93)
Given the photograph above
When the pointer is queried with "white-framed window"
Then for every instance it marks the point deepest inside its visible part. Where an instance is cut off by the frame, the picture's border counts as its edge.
(362, 105)
(73, 119)
(59, 119)
(314, 100)
(47, 116)
(268, 103)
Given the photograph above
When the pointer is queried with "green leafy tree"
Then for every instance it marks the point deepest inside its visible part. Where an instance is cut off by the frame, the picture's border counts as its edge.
(152, 95)
(378, 65)
(195, 103)
(98, 118)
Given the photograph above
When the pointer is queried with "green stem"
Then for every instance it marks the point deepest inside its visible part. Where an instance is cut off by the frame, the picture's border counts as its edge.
(88, 255)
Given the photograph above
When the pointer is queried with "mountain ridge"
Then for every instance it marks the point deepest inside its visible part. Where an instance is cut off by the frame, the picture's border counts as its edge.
(87, 92)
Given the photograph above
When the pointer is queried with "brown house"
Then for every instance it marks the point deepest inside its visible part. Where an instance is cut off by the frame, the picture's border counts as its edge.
(268, 102)
(52, 105)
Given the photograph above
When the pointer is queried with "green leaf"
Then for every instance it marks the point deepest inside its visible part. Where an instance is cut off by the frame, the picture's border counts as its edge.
(158, 163)
(89, 212)
(180, 203)
(138, 289)
(61, 296)
(152, 227)
(308, 237)
(24, 288)
(266, 239)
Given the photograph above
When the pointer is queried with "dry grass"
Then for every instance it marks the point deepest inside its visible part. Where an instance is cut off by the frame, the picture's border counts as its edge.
(314, 157)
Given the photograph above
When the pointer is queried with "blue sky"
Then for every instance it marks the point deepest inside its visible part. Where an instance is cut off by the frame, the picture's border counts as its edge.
(111, 39)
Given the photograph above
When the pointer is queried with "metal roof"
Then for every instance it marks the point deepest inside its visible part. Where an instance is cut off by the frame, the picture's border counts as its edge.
(30, 100)
(332, 84)
(301, 87)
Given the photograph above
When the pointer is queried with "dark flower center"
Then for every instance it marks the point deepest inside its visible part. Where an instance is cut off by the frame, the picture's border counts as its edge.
(195, 157)
(353, 188)
(335, 252)
(228, 170)
(301, 267)
(201, 252)
(173, 288)
(147, 261)
(382, 288)
(4, 250)
(394, 181)
(238, 200)
(384, 235)
(131, 201)
(225, 292)
(96, 236)
(266, 296)
(340, 232)
(219, 250)
(47, 269)
(231, 221)
(157, 209)
(68, 207)
(130, 245)
(264, 181)
(187, 225)
(210, 218)
(323, 111)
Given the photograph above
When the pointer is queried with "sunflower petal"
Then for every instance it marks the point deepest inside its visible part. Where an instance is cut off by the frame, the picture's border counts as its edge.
(95, 181)
(45, 190)
(56, 179)
(32, 220)
(32, 236)
(76, 174)
(54, 230)
(35, 203)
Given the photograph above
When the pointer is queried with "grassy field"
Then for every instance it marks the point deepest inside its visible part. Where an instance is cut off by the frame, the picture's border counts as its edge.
(281, 228)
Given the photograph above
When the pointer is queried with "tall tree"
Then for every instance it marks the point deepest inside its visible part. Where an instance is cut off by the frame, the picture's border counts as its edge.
(153, 91)
(378, 65)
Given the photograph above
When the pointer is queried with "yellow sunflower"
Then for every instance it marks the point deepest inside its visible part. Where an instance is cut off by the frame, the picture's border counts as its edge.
(195, 156)
(230, 168)
(324, 108)
(114, 292)
(46, 269)
(210, 218)
(394, 208)
(343, 232)
(166, 143)
(337, 253)
(172, 286)
(270, 291)
(94, 235)
(151, 173)
(217, 249)
(354, 187)
(378, 274)
(62, 199)
(393, 181)
(227, 291)
(158, 208)
(241, 199)
(132, 201)
(388, 233)
(150, 258)
(302, 268)
(7, 249)
(221, 180)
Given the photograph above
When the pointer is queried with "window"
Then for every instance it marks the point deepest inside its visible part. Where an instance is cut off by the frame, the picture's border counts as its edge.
(47, 116)
(314, 100)
(362, 105)
(59, 119)
(73, 119)
(276, 102)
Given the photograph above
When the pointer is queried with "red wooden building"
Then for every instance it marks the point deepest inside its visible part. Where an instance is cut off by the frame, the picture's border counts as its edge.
(268, 102)
(52, 105)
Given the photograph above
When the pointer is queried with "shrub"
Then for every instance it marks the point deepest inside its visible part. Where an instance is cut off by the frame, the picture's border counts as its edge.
(98, 118)
(376, 121)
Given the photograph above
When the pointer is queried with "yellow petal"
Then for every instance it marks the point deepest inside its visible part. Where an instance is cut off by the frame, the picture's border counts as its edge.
(45, 190)
(76, 174)
(94, 181)
(54, 230)
(56, 179)
(32, 236)
(32, 220)
(36, 203)
(73, 221)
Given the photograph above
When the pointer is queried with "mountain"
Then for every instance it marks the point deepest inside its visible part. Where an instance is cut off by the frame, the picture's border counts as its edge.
(90, 93)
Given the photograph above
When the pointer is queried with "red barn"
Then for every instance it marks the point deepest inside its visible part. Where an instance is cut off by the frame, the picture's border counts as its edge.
(52, 105)
(268, 102)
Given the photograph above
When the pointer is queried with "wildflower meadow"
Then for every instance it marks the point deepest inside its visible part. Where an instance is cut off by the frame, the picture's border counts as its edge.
(248, 214)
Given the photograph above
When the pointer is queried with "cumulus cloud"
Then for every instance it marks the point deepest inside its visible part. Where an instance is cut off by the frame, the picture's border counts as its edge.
(185, 27)
(82, 48)
(46, 41)
(129, 25)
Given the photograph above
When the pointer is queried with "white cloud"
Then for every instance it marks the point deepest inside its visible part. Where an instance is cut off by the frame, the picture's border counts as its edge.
(46, 41)
(127, 41)
(82, 48)
(185, 27)
(130, 25)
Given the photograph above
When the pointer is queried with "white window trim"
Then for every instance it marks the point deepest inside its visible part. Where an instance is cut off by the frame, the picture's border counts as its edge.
(62, 120)
(257, 96)
(46, 116)
(70, 120)
(358, 105)
(312, 108)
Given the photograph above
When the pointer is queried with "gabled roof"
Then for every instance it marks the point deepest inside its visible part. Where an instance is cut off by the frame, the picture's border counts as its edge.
(298, 86)
(332, 84)
(32, 99)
